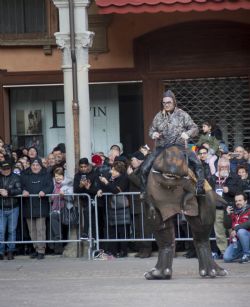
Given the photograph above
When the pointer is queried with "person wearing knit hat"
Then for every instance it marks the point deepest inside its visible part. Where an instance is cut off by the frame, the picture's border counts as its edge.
(36, 160)
(171, 126)
(138, 155)
(37, 181)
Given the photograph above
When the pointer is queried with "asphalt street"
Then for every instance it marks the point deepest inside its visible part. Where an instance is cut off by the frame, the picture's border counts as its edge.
(57, 281)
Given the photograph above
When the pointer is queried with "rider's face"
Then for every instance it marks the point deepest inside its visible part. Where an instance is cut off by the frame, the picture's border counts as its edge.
(168, 104)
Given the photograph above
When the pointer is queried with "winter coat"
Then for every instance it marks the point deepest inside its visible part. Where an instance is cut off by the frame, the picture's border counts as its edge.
(238, 221)
(59, 201)
(245, 186)
(135, 186)
(211, 140)
(12, 184)
(35, 207)
(117, 215)
(207, 173)
(92, 176)
(171, 126)
(233, 184)
(234, 163)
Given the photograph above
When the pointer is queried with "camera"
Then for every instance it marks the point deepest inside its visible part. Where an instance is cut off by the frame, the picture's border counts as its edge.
(233, 155)
(83, 177)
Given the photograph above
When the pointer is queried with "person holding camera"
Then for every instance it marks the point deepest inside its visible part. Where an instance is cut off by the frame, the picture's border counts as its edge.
(238, 219)
(85, 181)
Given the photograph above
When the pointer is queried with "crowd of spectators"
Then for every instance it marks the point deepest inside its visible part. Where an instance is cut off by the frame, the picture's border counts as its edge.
(24, 172)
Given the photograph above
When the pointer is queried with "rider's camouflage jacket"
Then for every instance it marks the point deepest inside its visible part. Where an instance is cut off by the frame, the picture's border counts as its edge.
(171, 127)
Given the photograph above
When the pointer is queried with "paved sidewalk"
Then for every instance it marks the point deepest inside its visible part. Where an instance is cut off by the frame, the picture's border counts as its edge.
(61, 282)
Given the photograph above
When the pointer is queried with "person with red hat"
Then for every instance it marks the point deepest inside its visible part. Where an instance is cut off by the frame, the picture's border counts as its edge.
(97, 160)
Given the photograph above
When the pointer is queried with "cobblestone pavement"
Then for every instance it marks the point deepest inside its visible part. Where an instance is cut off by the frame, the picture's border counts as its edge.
(57, 281)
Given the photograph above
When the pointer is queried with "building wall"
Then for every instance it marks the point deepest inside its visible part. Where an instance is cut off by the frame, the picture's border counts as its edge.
(125, 28)
(29, 59)
(119, 63)
(121, 33)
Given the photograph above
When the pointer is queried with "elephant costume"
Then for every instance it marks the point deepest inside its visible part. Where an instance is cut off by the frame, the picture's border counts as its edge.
(171, 190)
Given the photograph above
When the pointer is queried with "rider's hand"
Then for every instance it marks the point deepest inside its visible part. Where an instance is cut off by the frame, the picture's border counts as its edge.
(156, 135)
(184, 136)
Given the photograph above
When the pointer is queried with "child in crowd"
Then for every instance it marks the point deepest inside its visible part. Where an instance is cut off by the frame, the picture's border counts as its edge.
(62, 185)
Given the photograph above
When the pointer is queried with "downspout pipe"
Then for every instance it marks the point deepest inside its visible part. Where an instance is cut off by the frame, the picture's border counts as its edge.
(75, 101)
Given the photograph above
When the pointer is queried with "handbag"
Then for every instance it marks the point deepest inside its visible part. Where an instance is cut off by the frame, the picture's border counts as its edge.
(69, 216)
(119, 202)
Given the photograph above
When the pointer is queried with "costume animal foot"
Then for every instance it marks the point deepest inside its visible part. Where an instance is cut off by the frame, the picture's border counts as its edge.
(207, 266)
(209, 273)
(213, 273)
(219, 270)
(167, 273)
(155, 274)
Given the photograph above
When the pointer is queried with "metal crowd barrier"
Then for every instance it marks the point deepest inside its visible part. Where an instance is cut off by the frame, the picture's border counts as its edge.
(124, 211)
(117, 214)
(74, 232)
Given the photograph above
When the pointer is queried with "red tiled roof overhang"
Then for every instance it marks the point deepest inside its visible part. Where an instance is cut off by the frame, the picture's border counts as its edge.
(155, 6)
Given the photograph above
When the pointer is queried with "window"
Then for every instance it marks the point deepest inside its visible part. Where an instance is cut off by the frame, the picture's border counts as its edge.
(27, 22)
(22, 16)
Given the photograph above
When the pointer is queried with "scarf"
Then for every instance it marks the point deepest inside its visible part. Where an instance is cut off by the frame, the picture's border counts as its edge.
(57, 201)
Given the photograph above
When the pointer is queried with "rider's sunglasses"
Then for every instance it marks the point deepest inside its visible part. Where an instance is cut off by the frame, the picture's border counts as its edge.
(167, 102)
(202, 153)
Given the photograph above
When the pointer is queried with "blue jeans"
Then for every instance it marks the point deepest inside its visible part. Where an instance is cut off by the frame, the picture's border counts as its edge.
(243, 246)
(8, 218)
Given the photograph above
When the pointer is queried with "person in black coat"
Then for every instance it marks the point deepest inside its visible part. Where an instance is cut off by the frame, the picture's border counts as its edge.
(10, 186)
(118, 212)
(85, 181)
(242, 172)
(36, 180)
(138, 209)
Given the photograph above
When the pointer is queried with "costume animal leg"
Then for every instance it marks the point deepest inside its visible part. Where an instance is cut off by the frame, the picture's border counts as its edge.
(201, 232)
(165, 238)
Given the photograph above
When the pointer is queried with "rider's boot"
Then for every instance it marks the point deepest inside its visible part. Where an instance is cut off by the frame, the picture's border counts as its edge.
(199, 172)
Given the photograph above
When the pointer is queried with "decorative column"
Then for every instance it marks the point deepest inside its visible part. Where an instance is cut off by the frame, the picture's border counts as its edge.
(83, 40)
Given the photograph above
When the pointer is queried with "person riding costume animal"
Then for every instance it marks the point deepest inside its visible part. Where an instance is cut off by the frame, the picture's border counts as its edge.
(172, 126)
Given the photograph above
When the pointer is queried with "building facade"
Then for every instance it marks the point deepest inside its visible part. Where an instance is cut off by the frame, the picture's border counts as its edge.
(201, 50)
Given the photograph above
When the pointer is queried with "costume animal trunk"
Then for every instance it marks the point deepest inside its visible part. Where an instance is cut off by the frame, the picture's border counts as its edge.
(171, 190)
